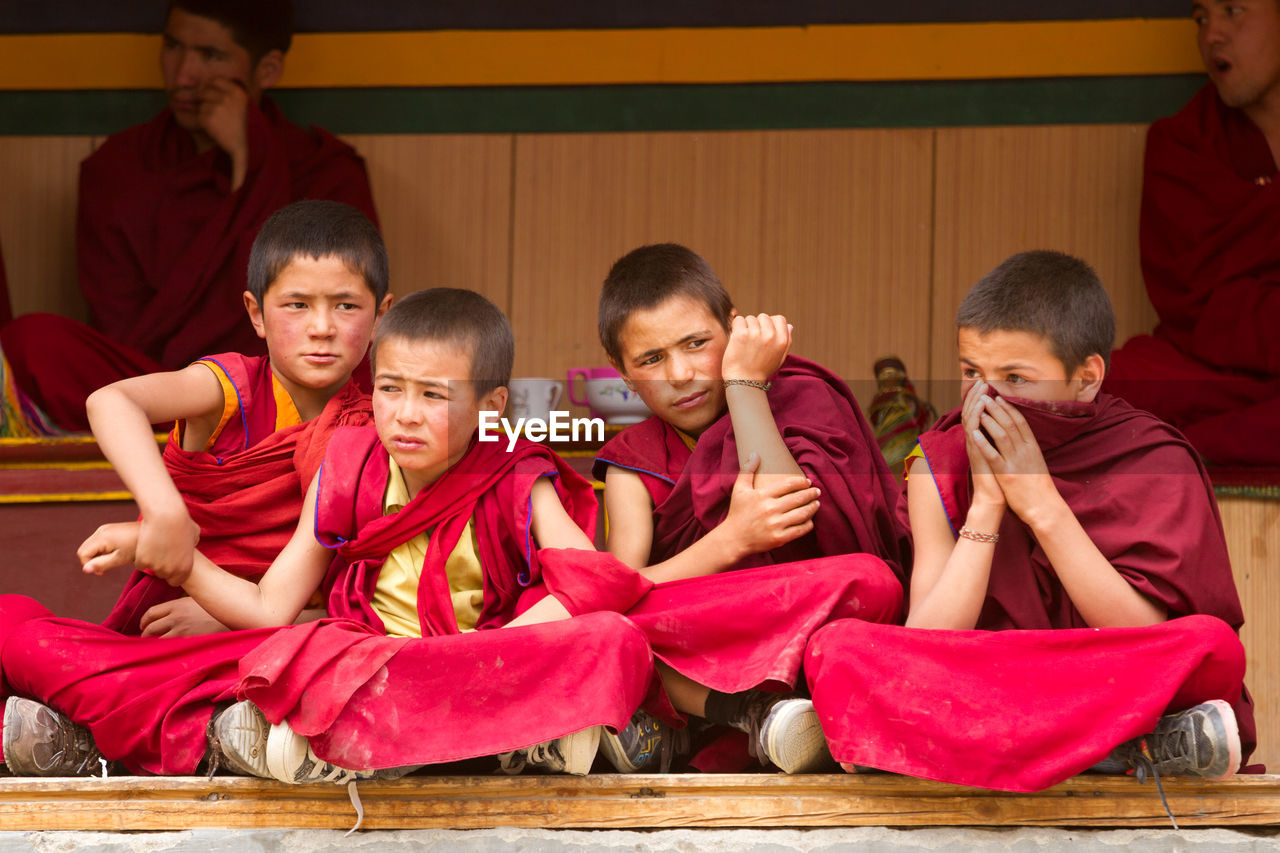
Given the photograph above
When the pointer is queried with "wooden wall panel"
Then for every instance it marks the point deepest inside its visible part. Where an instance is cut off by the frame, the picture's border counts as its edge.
(829, 227)
(1253, 537)
(444, 203)
(582, 201)
(38, 177)
(847, 241)
(1005, 189)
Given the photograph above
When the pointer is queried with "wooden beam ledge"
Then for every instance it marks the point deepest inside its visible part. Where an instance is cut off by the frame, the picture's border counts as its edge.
(617, 801)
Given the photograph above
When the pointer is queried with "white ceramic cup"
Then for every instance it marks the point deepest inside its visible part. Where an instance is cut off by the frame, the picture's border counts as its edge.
(533, 398)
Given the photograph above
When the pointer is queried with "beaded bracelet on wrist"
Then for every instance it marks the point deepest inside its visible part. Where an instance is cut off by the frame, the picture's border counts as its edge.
(975, 536)
(750, 383)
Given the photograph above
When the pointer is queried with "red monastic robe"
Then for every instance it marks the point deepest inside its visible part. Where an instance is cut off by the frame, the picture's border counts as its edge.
(334, 682)
(366, 699)
(163, 246)
(747, 628)
(1033, 695)
(245, 491)
(1211, 260)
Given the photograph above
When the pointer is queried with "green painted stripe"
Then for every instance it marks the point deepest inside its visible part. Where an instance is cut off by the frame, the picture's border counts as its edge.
(1085, 100)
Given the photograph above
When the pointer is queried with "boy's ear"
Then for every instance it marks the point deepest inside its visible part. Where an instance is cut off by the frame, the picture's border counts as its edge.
(622, 373)
(1088, 378)
(495, 400)
(269, 70)
(255, 314)
(382, 308)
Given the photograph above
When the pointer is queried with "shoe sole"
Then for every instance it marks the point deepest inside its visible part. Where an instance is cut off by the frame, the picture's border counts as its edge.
(792, 738)
(1232, 731)
(241, 730)
(285, 754)
(579, 750)
(611, 749)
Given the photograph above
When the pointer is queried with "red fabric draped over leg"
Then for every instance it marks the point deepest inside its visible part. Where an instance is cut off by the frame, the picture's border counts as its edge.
(146, 700)
(1013, 710)
(369, 701)
(748, 628)
(58, 363)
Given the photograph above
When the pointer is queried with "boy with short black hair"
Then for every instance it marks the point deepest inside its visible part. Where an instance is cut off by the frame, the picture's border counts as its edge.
(719, 492)
(417, 533)
(250, 430)
(1080, 538)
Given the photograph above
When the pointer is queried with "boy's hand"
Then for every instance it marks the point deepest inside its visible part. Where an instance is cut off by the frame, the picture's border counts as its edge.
(109, 547)
(986, 490)
(757, 345)
(761, 519)
(1016, 460)
(181, 617)
(167, 545)
(223, 116)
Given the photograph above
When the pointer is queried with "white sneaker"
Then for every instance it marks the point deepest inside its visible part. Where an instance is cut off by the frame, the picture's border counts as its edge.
(289, 758)
(791, 738)
(238, 740)
(572, 754)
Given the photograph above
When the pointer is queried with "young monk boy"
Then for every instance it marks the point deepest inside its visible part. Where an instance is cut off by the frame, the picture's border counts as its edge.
(419, 533)
(1069, 560)
(754, 462)
(251, 430)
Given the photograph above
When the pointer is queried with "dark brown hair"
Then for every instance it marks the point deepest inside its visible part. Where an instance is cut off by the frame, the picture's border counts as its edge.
(259, 26)
(318, 229)
(650, 275)
(1049, 294)
(460, 317)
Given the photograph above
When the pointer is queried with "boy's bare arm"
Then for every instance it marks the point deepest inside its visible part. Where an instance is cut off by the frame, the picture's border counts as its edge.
(1101, 594)
(121, 415)
(760, 519)
(283, 591)
(757, 346)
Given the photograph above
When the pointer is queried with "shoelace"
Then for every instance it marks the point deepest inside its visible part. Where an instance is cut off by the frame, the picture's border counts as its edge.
(1142, 766)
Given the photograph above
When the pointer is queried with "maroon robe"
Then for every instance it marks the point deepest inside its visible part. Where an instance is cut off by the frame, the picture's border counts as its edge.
(1033, 695)
(823, 428)
(162, 248)
(1211, 261)
(747, 628)
(245, 491)
(334, 682)
(366, 699)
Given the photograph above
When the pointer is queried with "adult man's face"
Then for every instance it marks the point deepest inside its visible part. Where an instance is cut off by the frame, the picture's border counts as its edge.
(197, 51)
(1240, 46)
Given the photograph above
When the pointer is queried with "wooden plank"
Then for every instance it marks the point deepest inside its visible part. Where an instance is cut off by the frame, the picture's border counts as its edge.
(444, 205)
(39, 175)
(1001, 190)
(1253, 540)
(613, 801)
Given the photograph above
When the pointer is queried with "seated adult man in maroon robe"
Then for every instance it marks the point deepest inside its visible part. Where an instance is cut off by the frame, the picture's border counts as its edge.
(250, 431)
(435, 533)
(169, 209)
(1210, 257)
(749, 562)
(1070, 568)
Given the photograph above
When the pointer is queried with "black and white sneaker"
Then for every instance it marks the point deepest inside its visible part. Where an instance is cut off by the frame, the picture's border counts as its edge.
(790, 737)
(572, 754)
(1202, 741)
(238, 740)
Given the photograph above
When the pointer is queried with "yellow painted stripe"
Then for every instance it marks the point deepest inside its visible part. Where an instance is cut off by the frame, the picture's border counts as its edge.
(65, 497)
(867, 52)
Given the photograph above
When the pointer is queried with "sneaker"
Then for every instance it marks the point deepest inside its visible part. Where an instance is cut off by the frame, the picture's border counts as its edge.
(238, 740)
(290, 758)
(572, 754)
(637, 745)
(790, 737)
(38, 741)
(1201, 741)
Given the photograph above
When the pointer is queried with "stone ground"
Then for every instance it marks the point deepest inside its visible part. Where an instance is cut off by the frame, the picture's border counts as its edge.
(853, 840)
